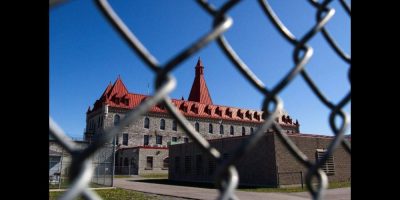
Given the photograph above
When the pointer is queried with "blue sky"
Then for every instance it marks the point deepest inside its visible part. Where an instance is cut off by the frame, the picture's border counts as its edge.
(86, 54)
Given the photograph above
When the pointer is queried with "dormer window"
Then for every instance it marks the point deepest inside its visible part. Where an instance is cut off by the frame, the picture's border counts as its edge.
(228, 112)
(184, 107)
(240, 114)
(207, 109)
(218, 111)
(249, 115)
(195, 108)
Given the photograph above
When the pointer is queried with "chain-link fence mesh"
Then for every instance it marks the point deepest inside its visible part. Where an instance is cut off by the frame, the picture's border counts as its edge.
(60, 162)
(81, 171)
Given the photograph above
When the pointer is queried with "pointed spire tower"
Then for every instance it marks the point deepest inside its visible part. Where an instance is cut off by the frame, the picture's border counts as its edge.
(199, 92)
(118, 89)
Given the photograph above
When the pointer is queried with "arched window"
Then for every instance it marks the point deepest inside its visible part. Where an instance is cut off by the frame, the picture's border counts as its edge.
(232, 131)
(162, 124)
(197, 126)
(221, 129)
(210, 128)
(126, 162)
(116, 120)
(251, 130)
(174, 125)
(243, 131)
(146, 122)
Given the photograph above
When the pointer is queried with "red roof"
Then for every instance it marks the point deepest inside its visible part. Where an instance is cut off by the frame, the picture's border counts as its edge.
(117, 96)
(199, 92)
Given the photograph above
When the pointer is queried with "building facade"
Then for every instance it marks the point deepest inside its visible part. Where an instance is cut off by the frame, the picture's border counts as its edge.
(268, 164)
(157, 128)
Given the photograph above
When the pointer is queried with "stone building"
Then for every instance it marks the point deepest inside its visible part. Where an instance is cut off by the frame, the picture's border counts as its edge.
(147, 139)
(269, 164)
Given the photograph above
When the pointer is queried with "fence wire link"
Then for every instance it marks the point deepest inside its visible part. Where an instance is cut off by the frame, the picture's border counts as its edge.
(227, 178)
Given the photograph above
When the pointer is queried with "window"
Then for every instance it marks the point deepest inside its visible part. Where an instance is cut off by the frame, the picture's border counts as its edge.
(149, 162)
(125, 139)
(116, 120)
(120, 161)
(158, 139)
(146, 122)
(174, 125)
(126, 162)
(211, 166)
(221, 129)
(98, 122)
(197, 126)
(210, 128)
(243, 131)
(177, 164)
(165, 163)
(162, 124)
(199, 165)
(329, 166)
(188, 164)
(251, 130)
(146, 140)
(117, 140)
(232, 131)
(186, 140)
(174, 139)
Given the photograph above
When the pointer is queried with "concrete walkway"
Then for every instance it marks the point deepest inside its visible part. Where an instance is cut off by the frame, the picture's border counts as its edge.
(211, 194)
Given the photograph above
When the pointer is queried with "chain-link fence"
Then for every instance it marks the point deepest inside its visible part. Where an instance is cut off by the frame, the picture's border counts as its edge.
(60, 162)
(82, 171)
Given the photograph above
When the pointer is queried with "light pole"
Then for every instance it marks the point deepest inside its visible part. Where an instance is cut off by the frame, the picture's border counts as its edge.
(113, 163)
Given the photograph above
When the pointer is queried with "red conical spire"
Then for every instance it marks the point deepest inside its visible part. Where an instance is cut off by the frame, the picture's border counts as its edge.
(199, 92)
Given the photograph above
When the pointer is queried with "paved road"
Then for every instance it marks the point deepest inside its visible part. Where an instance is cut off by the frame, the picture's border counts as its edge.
(211, 194)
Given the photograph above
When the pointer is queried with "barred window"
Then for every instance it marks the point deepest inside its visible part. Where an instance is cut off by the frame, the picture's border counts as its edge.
(186, 140)
(165, 163)
(243, 131)
(146, 140)
(158, 139)
(221, 129)
(116, 120)
(210, 128)
(149, 163)
(146, 122)
(162, 124)
(174, 139)
(232, 131)
(329, 166)
(125, 139)
(197, 126)
(174, 125)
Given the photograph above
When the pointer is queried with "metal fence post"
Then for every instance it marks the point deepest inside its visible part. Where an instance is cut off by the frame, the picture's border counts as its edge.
(301, 179)
(113, 164)
(61, 165)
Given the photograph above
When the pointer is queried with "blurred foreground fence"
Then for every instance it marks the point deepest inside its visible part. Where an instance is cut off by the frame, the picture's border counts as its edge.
(81, 168)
